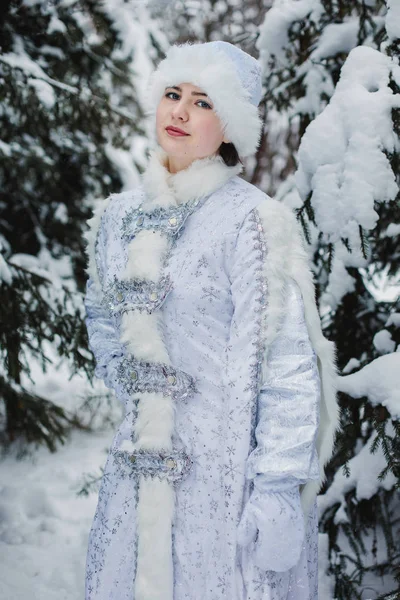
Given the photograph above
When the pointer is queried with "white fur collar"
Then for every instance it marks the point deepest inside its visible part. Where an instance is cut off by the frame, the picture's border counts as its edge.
(202, 177)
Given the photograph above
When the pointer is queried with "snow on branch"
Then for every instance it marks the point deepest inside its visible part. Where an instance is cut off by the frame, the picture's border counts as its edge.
(365, 482)
(274, 32)
(43, 84)
(342, 156)
(344, 166)
(300, 43)
(379, 381)
(393, 20)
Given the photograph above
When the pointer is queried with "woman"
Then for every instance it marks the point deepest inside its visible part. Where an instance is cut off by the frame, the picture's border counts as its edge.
(201, 316)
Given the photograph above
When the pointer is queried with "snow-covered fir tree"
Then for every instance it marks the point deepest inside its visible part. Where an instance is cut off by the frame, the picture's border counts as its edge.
(303, 45)
(332, 71)
(71, 131)
(207, 20)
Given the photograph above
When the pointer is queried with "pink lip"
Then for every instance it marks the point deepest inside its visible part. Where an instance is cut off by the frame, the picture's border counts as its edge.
(174, 131)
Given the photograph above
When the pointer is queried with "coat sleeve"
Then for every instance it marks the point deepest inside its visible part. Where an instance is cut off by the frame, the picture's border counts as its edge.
(287, 404)
(104, 340)
(287, 397)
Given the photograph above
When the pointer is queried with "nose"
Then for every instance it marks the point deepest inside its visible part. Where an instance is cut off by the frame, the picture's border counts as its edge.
(179, 111)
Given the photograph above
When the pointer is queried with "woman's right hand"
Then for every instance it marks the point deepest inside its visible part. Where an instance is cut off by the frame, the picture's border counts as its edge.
(272, 525)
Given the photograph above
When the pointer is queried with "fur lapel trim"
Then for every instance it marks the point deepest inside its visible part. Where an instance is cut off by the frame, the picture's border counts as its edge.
(153, 427)
(286, 257)
(201, 178)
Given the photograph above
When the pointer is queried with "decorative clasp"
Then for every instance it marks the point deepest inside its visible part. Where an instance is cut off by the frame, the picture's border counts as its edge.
(172, 465)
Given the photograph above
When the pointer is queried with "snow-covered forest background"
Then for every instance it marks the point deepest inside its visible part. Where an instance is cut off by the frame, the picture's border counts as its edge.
(73, 129)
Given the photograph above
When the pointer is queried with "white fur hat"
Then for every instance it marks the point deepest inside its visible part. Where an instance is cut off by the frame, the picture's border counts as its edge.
(228, 75)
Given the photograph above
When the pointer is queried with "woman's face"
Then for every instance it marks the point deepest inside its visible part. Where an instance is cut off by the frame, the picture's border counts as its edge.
(187, 108)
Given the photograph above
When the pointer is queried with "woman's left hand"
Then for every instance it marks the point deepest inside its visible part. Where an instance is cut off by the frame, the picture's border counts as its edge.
(273, 524)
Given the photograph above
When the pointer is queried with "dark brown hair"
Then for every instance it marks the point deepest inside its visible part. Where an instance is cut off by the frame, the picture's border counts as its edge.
(229, 154)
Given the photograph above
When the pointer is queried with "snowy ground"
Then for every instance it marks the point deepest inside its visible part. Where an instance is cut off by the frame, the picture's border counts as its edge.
(44, 523)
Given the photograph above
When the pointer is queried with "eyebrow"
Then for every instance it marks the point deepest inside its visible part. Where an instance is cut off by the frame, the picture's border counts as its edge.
(175, 87)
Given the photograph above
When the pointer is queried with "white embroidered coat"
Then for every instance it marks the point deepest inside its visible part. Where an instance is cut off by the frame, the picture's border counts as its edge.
(202, 317)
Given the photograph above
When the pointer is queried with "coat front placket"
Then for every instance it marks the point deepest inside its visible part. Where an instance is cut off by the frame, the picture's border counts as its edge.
(146, 375)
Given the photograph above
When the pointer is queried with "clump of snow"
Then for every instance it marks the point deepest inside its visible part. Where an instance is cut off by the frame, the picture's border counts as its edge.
(123, 160)
(383, 342)
(133, 26)
(87, 26)
(336, 38)
(340, 281)
(353, 363)
(394, 319)
(392, 230)
(6, 149)
(5, 273)
(393, 19)
(381, 284)
(363, 480)
(55, 24)
(342, 160)
(341, 156)
(379, 381)
(274, 32)
(47, 50)
(21, 60)
(325, 583)
(317, 85)
(61, 213)
(280, 52)
(30, 263)
(44, 91)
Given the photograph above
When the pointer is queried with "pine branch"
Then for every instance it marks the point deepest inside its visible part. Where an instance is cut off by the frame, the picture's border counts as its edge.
(395, 595)
(34, 418)
(346, 244)
(83, 95)
(331, 253)
(363, 241)
(90, 484)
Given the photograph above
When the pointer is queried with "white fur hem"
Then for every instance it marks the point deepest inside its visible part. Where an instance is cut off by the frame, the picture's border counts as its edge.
(154, 571)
